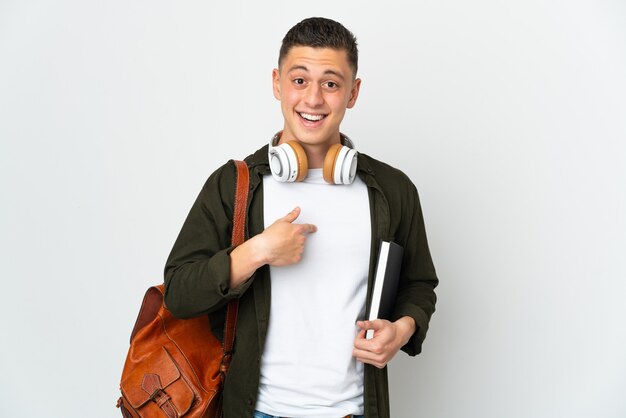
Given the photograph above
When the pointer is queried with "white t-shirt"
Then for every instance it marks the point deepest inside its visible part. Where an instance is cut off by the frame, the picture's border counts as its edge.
(307, 367)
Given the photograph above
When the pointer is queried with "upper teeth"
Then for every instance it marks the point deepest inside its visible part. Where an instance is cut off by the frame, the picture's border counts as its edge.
(311, 117)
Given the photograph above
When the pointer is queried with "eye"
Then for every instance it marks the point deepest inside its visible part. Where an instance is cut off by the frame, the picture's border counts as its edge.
(331, 85)
(299, 81)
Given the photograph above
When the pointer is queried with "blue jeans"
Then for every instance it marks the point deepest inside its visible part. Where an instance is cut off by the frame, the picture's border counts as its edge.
(259, 414)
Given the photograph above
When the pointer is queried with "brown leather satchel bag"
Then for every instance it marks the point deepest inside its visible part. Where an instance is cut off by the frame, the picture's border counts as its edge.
(176, 367)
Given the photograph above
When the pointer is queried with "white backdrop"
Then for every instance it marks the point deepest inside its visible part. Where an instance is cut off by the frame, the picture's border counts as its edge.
(510, 117)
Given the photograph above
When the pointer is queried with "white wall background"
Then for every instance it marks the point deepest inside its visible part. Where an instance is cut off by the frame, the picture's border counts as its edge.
(510, 117)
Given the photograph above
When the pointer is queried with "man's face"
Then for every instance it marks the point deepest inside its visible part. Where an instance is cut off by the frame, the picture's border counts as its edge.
(315, 87)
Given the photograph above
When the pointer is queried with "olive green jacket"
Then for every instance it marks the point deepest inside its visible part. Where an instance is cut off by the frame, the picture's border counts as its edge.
(198, 270)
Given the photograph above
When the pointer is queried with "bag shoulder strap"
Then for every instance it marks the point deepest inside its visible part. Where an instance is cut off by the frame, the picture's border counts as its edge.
(238, 237)
(241, 202)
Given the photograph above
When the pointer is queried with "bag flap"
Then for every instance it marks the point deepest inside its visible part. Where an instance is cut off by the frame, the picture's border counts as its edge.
(159, 368)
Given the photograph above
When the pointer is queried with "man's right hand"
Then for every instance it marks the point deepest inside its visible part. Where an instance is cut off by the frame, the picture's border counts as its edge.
(280, 244)
(283, 241)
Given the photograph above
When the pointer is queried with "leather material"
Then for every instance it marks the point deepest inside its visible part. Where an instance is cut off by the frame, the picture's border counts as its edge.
(175, 368)
(151, 384)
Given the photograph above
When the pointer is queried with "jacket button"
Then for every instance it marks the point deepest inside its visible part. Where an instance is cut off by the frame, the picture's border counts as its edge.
(249, 402)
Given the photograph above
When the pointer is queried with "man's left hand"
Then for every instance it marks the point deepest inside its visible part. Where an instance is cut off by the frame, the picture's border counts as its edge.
(388, 338)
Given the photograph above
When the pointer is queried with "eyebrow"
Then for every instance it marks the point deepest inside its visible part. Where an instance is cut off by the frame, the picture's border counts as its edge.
(326, 72)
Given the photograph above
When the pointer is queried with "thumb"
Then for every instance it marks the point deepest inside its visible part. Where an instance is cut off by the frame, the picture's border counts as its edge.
(360, 335)
(291, 216)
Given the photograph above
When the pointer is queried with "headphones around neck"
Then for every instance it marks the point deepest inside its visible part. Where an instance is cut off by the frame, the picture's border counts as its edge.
(288, 161)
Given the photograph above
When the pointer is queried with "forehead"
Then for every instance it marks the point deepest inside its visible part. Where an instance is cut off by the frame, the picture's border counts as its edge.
(317, 59)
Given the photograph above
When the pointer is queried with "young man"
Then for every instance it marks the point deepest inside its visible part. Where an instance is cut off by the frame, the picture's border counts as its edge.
(304, 275)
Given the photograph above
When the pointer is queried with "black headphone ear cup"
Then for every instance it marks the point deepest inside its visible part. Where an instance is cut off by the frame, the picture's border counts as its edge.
(302, 161)
(330, 161)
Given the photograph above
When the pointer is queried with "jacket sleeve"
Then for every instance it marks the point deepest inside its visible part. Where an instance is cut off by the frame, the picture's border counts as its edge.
(416, 296)
(197, 271)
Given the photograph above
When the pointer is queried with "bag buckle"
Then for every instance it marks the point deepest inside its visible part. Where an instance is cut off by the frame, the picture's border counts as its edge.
(159, 397)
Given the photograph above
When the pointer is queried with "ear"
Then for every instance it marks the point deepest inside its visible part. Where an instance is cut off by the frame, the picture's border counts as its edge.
(354, 93)
(276, 83)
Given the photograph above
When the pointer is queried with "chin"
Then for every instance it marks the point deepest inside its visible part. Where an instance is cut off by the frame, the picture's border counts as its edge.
(312, 140)
(316, 137)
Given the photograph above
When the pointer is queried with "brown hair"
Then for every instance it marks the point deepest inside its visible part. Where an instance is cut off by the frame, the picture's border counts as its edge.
(320, 32)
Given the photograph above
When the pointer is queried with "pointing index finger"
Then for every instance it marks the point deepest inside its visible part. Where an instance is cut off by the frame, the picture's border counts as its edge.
(309, 228)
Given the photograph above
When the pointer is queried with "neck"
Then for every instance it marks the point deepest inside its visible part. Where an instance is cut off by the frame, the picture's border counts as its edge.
(316, 154)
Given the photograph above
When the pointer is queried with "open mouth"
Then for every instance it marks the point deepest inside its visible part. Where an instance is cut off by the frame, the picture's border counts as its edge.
(310, 117)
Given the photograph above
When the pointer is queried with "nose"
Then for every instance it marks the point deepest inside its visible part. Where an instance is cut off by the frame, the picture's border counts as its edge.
(314, 96)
